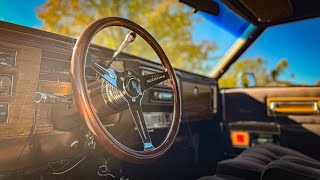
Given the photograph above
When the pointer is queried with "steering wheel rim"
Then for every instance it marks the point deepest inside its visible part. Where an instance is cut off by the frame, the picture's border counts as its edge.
(86, 108)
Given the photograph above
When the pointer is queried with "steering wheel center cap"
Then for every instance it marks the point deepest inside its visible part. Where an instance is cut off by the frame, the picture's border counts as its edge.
(133, 86)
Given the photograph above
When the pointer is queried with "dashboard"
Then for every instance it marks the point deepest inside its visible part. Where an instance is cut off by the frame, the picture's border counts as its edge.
(33, 61)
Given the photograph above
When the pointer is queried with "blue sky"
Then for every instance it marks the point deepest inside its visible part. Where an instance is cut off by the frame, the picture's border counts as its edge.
(298, 42)
(20, 12)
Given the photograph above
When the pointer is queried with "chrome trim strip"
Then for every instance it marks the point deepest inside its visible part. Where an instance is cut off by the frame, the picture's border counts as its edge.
(273, 105)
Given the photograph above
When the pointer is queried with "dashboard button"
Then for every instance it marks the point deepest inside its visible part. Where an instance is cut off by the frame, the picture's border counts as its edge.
(6, 85)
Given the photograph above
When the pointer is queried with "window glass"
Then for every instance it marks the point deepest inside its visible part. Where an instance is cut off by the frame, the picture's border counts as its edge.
(284, 55)
(193, 42)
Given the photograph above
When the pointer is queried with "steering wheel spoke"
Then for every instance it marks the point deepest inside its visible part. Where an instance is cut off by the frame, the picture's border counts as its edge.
(105, 72)
(150, 80)
(136, 111)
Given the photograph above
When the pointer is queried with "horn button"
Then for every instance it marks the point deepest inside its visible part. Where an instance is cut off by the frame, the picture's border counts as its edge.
(132, 86)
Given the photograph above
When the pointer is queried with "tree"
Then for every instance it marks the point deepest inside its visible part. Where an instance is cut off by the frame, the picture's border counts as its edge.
(168, 21)
(256, 66)
(259, 69)
(281, 66)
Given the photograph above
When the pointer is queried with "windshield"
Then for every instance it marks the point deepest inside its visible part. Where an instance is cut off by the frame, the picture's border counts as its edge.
(283, 55)
(193, 42)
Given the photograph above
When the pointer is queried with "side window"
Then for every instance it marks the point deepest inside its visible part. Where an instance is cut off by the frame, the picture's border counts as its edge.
(284, 55)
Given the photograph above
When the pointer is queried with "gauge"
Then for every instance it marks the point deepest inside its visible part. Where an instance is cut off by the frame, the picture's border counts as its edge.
(161, 95)
(7, 57)
(6, 84)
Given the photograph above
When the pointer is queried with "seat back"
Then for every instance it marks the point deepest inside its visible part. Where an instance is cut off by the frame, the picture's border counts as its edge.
(284, 169)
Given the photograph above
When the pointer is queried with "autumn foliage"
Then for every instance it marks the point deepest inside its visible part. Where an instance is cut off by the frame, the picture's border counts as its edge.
(168, 21)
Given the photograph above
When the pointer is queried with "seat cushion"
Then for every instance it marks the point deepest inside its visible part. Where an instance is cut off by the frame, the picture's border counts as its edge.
(241, 168)
(251, 162)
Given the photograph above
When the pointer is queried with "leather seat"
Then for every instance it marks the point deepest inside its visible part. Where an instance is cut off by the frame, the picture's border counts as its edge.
(251, 163)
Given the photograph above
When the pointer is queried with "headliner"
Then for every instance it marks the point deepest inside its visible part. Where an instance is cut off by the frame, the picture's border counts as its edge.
(300, 10)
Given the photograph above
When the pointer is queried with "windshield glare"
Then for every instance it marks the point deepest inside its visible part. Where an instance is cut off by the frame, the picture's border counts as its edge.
(193, 42)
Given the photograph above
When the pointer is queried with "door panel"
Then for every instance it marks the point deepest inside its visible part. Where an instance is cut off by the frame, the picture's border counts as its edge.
(296, 115)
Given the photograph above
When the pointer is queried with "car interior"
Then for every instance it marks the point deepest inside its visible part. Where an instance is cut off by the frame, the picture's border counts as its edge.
(74, 108)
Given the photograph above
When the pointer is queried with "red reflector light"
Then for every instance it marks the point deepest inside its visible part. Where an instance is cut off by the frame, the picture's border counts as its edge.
(240, 138)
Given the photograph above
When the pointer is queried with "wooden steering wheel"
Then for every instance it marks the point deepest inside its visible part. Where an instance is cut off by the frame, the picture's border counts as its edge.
(132, 86)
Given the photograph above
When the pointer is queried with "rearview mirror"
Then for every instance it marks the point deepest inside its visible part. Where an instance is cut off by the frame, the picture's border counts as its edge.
(246, 79)
(208, 6)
